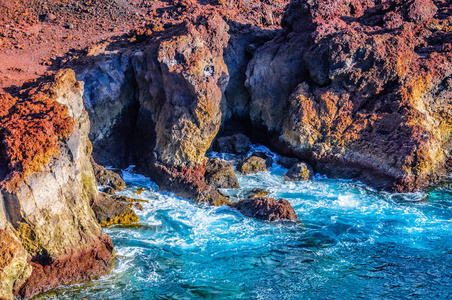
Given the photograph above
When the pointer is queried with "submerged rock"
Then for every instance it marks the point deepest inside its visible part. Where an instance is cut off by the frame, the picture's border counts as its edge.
(111, 212)
(251, 165)
(237, 144)
(220, 174)
(298, 172)
(267, 209)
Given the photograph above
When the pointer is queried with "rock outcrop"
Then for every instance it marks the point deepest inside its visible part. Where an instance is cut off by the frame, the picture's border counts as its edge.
(47, 183)
(266, 209)
(106, 177)
(220, 174)
(110, 211)
(360, 89)
(251, 165)
(298, 172)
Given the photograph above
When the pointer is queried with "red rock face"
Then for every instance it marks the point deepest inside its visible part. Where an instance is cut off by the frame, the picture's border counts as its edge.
(80, 265)
(30, 128)
(374, 101)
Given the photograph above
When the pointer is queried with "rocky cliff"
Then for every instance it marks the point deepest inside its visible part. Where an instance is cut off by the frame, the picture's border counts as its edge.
(362, 91)
(359, 89)
(48, 231)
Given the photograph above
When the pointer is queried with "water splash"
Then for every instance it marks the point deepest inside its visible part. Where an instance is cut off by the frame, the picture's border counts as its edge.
(354, 242)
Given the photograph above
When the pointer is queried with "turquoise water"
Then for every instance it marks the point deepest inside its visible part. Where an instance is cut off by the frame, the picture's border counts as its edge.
(352, 243)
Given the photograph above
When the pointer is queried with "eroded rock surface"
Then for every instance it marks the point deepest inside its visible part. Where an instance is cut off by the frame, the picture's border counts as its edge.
(298, 172)
(106, 177)
(220, 174)
(251, 165)
(365, 87)
(46, 193)
(267, 209)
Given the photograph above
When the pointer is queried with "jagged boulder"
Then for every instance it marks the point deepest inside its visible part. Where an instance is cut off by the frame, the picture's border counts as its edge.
(256, 192)
(111, 212)
(267, 209)
(251, 165)
(106, 177)
(220, 174)
(298, 172)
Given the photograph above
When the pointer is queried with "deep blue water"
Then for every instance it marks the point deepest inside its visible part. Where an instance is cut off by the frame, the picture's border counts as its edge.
(352, 243)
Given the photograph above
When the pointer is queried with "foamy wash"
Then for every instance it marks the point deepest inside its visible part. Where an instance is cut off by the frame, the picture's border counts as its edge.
(353, 242)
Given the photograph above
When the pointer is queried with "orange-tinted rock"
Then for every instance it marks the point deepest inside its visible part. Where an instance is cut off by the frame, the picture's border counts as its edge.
(364, 89)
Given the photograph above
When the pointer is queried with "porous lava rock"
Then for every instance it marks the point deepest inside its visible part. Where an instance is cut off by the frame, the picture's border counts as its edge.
(267, 209)
(251, 165)
(220, 174)
(298, 172)
(363, 91)
(268, 158)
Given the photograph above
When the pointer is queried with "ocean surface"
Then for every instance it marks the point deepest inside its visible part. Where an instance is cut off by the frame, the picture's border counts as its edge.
(352, 243)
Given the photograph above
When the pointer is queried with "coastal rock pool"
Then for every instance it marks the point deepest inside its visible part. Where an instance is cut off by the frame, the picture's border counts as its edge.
(353, 242)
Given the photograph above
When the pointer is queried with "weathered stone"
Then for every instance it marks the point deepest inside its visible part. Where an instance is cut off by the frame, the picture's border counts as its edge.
(127, 199)
(358, 101)
(287, 162)
(237, 143)
(111, 212)
(220, 174)
(267, 209)
(48, 207)
(107, 177)
(268, 159)
(298, 172)
(251, 165)
(256, 192)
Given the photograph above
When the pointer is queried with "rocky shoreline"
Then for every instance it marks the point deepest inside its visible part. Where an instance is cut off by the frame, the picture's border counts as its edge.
(349, 89)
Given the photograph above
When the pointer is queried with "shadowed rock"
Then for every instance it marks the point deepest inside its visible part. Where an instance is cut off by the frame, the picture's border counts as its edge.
(237, 144)
(220, 174)
(287, 162)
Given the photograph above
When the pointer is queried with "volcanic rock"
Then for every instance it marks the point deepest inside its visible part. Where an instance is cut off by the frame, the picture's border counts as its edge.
(268, 159)
(256, 192)
(47, 186)
(267, 209)
(106, 177)
(220, 174)
(298, 172)
(251, 165)
(111, 212)
(356, 96)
